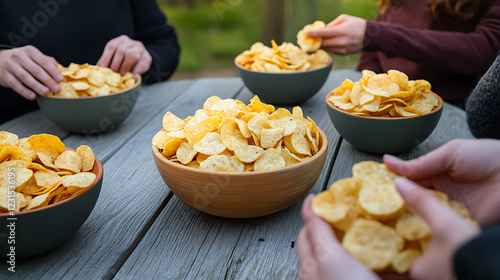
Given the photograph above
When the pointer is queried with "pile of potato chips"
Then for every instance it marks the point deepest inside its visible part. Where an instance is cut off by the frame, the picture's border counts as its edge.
(227, 135)
(281, 59)
(91, 80)
(372, 221)
(44, 171)
(384, 95)
(307, 43)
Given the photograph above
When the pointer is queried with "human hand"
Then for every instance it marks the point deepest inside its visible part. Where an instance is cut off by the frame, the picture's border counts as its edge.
(449, 232)
(123, 54)
(467, 170)
(27, 71)
(321, 255)
(344, 35)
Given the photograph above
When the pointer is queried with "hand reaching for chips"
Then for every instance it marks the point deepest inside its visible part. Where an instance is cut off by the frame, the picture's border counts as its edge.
(384, 95)
(45, 171)
(372, 221)
(90, 80)
(227, 135)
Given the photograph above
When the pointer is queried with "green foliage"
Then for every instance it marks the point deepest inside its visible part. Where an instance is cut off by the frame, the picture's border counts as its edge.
(213, 33)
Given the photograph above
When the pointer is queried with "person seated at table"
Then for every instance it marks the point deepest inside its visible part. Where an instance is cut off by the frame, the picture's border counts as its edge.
(450, 43)
(123, 35)
(483, 114)
(468, 171)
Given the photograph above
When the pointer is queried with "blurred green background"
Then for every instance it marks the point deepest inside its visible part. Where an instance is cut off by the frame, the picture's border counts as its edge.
(213, 32)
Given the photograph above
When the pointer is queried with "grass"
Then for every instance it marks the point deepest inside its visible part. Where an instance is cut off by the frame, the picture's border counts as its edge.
(212, 34)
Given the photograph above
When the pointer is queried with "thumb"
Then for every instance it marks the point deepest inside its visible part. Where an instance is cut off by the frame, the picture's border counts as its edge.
(424, 203)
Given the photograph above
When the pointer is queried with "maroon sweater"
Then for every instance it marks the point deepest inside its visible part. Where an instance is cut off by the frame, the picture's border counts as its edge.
(450, 55)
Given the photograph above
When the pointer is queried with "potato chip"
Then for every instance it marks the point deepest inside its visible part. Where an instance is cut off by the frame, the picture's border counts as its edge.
(248, 153)
(69, 160)
(210, 144)
(171, 146)
(270, 159)
(373, 243)
(87, 156)
(8, 139)
(46, 178)
(403, 261)
(217, 163)
(307, 43)
(80, 180)
(185, 153)
(412, 227)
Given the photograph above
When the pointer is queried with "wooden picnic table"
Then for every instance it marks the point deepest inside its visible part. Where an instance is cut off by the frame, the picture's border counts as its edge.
(140, 230)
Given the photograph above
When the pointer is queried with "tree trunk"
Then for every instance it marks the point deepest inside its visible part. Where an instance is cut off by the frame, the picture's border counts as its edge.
(272, 21)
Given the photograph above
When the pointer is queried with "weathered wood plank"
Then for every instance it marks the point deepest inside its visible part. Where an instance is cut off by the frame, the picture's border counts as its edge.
(185, 243)
(131, 195)
(33, 123)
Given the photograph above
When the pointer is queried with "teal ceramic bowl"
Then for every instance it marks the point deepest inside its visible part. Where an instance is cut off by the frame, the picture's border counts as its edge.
(90, 115)
(42, 229)
(384, 135)
(284, 88)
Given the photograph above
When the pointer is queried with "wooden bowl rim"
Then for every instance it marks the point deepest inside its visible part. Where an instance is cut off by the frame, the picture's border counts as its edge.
(322, 150)
(437, 109)
(98, 170)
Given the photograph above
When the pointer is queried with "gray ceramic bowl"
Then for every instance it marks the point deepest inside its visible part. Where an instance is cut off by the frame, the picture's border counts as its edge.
(384, 135)
(42, 229)
(284, 88)
(90, 115)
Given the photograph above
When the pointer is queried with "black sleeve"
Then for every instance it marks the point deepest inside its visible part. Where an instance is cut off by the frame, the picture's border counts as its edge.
(159, 38)
(480, 257)
(483, 115)
(4, 47)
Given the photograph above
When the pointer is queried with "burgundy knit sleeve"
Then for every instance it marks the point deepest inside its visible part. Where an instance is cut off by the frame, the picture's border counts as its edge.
(467, 53)
(369, 61)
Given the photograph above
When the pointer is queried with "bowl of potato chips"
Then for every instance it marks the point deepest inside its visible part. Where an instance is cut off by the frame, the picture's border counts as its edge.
(48, 192)
(285, 74)
(384, 113)
(92, 99)
(240, 161)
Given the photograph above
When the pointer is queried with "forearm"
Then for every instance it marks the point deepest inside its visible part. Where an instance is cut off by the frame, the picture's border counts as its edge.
(467, 53)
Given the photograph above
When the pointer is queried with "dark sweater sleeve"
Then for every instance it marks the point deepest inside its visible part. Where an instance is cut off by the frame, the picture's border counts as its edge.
(467, 53)
(159, 38)
(483, 113)
(480, 257)
(369, 61)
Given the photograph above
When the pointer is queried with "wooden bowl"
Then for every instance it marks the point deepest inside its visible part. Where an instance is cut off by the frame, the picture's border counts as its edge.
(242, 194)
(42, 229)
